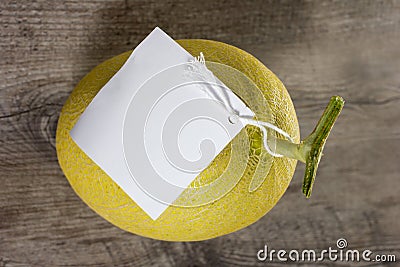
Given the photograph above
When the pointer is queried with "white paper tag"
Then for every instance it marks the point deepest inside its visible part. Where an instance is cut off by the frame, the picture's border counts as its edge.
(151, 129)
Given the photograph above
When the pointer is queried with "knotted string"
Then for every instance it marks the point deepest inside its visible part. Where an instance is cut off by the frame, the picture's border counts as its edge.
(201, 70)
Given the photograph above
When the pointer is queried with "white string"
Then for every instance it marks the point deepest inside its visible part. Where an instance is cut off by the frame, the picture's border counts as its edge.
(207, 75)
(262, 125)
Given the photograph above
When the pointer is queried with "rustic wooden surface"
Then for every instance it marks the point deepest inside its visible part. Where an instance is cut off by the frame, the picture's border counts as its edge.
(318, 49)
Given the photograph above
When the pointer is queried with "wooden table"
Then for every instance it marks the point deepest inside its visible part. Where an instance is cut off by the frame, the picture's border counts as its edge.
(317, 48)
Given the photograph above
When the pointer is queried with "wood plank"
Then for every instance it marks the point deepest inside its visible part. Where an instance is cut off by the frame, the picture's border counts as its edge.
(317, 48)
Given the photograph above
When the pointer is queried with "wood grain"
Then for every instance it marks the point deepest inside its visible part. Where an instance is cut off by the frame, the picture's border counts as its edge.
(317, 48)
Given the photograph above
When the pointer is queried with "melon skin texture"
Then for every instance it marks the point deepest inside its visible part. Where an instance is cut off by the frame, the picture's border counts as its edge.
(236, 210)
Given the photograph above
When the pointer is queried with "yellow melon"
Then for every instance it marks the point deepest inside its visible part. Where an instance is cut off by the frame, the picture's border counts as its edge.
(235, 210)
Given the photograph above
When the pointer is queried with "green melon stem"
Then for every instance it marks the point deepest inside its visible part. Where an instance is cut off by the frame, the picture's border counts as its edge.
(309, 151)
